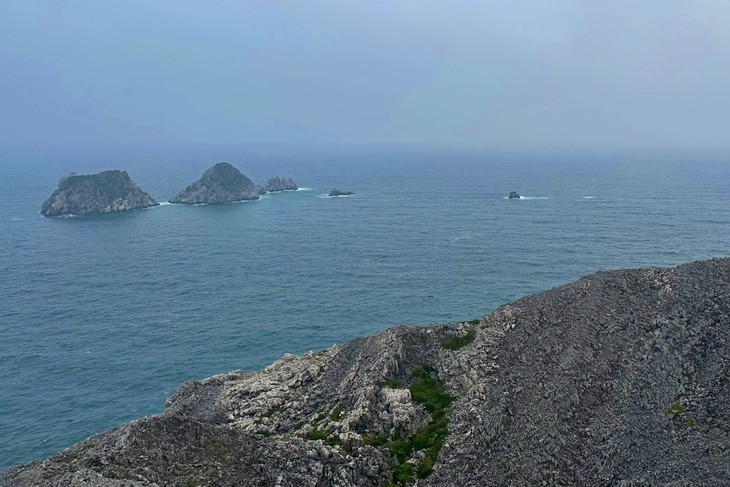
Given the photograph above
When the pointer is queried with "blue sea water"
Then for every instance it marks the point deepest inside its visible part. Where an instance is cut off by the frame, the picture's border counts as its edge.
(103, 317)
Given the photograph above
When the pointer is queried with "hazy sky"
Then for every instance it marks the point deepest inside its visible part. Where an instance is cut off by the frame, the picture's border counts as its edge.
(562, 73)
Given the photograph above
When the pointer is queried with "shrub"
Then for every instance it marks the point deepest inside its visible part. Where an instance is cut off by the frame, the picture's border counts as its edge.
(455, 343)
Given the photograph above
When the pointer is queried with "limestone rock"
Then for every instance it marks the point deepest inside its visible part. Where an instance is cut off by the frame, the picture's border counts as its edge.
(620, 378)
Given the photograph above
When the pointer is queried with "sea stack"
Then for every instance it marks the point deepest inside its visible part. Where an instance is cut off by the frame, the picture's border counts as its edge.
(221, 183)
(104, 192)
(277, 184)
(514, 195)
(337, 192)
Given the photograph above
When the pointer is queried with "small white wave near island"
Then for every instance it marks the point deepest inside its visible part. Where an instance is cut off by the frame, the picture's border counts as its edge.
(522, 197)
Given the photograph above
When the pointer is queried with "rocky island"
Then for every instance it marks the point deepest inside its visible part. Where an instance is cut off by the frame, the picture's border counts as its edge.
(620, 378)
(277, 184)
(514, 195)
(221, 183)
(337, 192)
(104, 192)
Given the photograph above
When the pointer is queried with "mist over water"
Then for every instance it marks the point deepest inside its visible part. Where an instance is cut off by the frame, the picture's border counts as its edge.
(103, 317)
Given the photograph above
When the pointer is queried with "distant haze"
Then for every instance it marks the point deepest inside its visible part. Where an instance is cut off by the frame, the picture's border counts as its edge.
(494, 74)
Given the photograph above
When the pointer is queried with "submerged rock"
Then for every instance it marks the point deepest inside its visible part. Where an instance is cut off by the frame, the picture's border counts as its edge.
(620, 378)
(221, 183)
(104, 192)
(337, 192)
(276, 184)
(514, 195)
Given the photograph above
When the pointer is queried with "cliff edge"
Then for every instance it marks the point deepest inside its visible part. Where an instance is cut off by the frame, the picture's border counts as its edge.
(620, 378)
(104, 192)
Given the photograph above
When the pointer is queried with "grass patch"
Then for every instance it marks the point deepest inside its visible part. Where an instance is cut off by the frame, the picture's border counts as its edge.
(392, 384)
(317, 434)
(675, 409)
(375, 441)
(298, 426)
(455, 343)
(337, 413)
(428, 391)
(689, 422)
(474, 321)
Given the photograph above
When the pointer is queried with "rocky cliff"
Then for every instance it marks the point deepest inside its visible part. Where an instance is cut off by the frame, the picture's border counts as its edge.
(276, 184)
(220, 183)
(105, 192)
(620, 378)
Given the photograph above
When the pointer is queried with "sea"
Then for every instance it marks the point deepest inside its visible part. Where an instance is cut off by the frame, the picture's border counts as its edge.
(102, 318)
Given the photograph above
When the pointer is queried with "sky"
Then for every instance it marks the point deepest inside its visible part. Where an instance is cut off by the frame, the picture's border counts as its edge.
(470, 74)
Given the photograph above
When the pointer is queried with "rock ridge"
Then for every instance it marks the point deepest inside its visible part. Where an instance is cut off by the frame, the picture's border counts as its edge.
(619, 378)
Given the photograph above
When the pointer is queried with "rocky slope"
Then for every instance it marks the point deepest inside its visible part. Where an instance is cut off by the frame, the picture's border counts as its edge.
(104, 192)
(276, 184)
(620, 378)
(220, 183)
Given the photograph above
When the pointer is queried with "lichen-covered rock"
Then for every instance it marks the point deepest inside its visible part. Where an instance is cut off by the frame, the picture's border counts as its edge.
(104, 192)
(620, 378)
(221, 183)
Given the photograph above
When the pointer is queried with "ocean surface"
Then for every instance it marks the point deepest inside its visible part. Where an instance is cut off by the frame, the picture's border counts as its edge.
(103, 317)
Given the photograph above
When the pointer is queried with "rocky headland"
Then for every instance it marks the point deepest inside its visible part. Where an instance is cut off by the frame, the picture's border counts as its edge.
(337, 192)
(620, 378)
(221, 183)
(104, 192)
(277, 184)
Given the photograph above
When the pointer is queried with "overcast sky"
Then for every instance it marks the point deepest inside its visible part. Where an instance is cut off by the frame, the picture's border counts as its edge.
(558, 73)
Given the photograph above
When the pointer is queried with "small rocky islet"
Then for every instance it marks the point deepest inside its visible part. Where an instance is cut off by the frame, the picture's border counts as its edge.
(221, 183)
(105, 192)
(619, 378)
(337, 192)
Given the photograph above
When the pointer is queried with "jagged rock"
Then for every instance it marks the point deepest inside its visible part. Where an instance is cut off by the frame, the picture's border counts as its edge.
(514, 195)
(337, 192)
(104, 192)
(276, 184)
(620, 378)
(221, 183)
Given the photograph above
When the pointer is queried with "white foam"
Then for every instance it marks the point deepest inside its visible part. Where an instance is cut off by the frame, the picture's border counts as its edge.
(528, 198)
(165, 203)
(588, 197)
(304, 189)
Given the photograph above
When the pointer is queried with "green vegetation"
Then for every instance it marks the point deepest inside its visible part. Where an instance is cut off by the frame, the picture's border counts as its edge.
(428, 391)
(375, 441)
(474, 321)
(271, 412)
(337, 413)
(317, 434)
(392, 384)
(298, 426)
(675, 409)
(455, 343)
(689, 422)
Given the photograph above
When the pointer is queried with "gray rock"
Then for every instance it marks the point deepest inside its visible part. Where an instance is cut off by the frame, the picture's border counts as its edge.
(221, 183)
(104, 192)
(514, 195)
(620, 378)
(276, 184)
